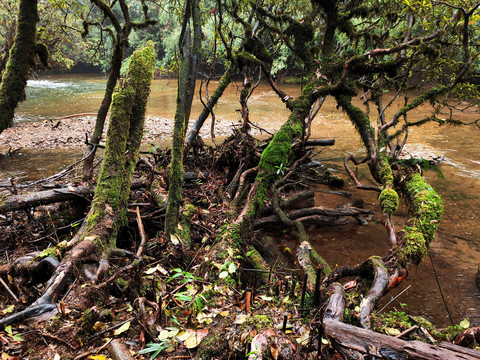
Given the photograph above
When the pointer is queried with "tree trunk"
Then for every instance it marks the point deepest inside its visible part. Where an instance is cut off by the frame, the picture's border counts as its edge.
(15, 76)
(185, 90)
(222, 85)
(114, 74)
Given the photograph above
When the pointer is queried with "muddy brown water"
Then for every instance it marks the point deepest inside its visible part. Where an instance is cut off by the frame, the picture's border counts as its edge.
(455, 253)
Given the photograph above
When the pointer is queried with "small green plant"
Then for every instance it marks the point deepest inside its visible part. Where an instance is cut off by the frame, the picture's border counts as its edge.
(187, 277)
(16, 337)
(280, 169)
(155, 348)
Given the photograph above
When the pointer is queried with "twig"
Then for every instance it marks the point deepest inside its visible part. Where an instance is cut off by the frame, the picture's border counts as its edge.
(383, 308)
(408, 331)
(143, 236)
(8, 289)
(100, 333)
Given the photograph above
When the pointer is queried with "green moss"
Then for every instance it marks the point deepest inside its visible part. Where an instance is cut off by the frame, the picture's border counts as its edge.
(54, 252)
(42, 52)
(15, 75)
(426, 205)
(333, 180)
(189, 211)
(122, 284)
(386, 174)
(427, 208)
(359, 120)
(261, 322)
(394, 319)
(215, 345)
(388, 201)
(121, 152)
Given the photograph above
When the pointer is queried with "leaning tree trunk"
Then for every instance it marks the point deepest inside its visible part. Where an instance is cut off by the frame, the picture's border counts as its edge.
(185, 90)
(114, 74)
(108, 214)
(222, 85)
(15, 76)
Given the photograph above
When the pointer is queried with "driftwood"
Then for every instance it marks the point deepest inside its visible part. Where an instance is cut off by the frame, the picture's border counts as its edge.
(388, 347)
(118, 351)
(324, 216)
(19, 202)
(379, 286)
(33, 199)
(356, 341)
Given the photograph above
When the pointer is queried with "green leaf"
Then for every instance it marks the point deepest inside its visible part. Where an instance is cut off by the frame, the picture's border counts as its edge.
(156, 348)
(9, 330)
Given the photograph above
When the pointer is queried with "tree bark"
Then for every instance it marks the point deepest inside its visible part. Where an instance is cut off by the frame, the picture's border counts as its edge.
(388, 347)
(222, 85)
(114, 74)
(15, 76)
(185, 91)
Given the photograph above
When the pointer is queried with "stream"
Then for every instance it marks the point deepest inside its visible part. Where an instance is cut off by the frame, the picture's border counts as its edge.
(455, 253)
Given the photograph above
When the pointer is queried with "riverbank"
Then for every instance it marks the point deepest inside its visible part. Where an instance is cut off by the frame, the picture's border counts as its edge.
(70, 133)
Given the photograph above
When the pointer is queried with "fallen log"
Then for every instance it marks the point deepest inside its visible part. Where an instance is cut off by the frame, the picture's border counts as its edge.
(388, 347)
(378, 345)
(321, 214)
(19, 202)
(33, 199)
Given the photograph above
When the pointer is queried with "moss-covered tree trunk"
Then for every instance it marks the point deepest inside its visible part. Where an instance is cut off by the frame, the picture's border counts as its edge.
(14, 79)
(124, 135)
(185, 90)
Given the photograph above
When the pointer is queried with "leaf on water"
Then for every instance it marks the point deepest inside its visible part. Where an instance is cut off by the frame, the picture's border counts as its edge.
(122, 328)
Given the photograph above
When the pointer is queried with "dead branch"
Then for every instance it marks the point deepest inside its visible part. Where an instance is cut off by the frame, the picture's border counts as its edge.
(329, 215)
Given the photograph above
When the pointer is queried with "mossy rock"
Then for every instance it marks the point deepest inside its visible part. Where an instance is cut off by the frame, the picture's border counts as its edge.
(333, 180)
